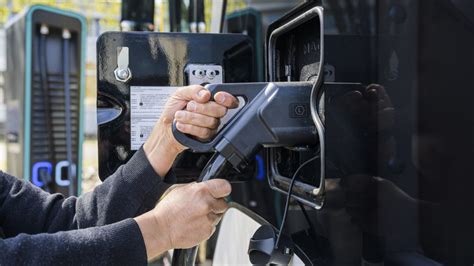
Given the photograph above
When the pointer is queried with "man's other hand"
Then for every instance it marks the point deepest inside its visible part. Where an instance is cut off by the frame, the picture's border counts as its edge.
(186, 216)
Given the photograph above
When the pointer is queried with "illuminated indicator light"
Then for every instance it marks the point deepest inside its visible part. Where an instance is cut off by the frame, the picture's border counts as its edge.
(260, 168)
(35, 175)
(58, 175)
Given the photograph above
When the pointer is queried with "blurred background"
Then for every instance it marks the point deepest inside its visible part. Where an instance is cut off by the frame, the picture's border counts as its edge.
(102, 16)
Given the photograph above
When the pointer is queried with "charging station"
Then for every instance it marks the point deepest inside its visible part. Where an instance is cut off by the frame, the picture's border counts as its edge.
(249, 21)
(137, 72)
(373, 78)
(352, 143)
(44, 91)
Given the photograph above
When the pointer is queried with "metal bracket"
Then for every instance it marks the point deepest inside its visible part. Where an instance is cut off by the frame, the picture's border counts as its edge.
(122, 72)
(204, 74)
(317, 193)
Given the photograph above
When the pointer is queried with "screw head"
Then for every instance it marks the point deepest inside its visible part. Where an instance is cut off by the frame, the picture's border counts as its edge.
(122, 75)
(211, 74)
(200, 73)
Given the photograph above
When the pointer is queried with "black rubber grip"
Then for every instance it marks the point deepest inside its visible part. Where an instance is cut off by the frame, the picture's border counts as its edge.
(248, 91)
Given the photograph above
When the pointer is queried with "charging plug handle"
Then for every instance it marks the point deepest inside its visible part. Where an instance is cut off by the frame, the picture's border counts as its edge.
(248, 91)
(275, 115)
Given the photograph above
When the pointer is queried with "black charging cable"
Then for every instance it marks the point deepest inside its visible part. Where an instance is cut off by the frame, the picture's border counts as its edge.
(46, 177)
(288, 197)
(308, 220)
(67, 112)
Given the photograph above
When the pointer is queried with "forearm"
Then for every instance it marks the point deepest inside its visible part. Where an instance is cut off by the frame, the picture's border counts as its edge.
(132, 190)
(115, 244)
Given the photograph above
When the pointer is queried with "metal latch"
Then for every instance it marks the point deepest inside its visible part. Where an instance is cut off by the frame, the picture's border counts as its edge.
(122, 72)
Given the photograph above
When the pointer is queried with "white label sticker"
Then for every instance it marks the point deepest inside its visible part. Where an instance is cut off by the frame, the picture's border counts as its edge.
(146, 106)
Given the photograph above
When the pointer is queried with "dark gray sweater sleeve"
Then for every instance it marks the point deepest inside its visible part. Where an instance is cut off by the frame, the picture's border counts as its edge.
(120, 243)
(132, 190)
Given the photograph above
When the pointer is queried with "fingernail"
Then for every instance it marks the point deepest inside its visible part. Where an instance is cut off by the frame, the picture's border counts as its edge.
(202, 93)
(179, 115)
(179, 126)
(220, 98)
(192, 106)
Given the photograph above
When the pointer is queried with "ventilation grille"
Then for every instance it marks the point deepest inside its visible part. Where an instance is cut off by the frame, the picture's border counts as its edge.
(40, 150)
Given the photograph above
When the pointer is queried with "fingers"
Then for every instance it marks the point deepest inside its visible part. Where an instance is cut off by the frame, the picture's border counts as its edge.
(196, 119)
(200, 119)
(197, 131)
(386, 119)
(218, 206)
(194, 92)
(211, 108)
(352, 97)
(212, 194)
(219, 188)
(353, 101)
(201, 95)
(226, 99)
(377, 93)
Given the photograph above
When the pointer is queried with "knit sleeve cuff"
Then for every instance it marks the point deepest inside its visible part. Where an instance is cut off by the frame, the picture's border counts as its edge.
(144, 183)
(129, 244)
(139, 164)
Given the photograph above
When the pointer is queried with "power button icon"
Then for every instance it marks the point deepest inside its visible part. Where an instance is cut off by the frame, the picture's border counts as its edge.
(298, 110)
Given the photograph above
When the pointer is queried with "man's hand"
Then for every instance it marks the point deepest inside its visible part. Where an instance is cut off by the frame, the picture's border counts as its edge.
(195, 114)
(186, 216)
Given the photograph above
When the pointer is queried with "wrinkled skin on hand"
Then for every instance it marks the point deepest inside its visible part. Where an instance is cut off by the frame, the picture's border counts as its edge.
(186, 215)
(196, 114)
